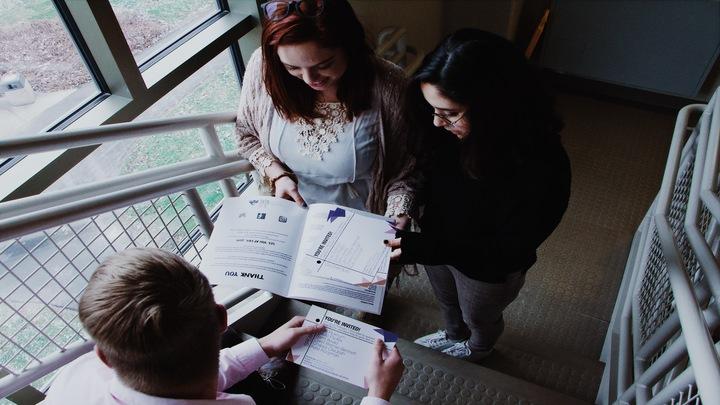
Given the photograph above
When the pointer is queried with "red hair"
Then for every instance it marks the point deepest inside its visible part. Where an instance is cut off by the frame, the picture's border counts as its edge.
(336, 27)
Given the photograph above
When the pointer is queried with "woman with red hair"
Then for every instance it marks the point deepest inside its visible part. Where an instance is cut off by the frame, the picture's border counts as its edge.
(321, 116)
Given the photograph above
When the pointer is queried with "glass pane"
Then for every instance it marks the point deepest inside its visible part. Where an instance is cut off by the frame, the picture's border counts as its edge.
(150, 26)
(213, 88)
(42, 76)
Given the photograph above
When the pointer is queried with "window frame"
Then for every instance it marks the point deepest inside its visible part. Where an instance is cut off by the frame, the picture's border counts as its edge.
(126, 89)
(102, 88)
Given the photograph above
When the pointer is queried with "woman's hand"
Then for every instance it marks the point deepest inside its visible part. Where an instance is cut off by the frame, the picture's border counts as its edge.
(284, 186)
(402, 221)
(395, 245)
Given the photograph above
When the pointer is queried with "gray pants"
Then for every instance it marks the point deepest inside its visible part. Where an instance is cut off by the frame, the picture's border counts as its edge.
(471, 308)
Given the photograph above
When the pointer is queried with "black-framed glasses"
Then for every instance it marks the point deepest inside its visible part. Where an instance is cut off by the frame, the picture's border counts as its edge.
(277, 9)
(447, 118)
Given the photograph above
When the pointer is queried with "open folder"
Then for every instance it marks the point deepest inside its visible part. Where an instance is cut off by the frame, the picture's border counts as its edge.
(324, 252)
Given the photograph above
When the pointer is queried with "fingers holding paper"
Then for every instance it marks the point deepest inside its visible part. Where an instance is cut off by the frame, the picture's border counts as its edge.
(284, 337)
(401, 222)
(385, 371)
(395, 244)
(286, 188)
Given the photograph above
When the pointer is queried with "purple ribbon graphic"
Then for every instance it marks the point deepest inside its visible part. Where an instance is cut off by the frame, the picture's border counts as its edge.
(389, 336)
(392, 229)
(335, 214)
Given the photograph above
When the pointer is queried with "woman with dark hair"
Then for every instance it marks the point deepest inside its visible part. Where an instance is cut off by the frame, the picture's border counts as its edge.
(321, 117)
(496, 185)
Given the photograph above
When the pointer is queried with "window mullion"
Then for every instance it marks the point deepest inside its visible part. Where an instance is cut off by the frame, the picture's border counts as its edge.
(81, 45)
(250, 41)
(98, 25)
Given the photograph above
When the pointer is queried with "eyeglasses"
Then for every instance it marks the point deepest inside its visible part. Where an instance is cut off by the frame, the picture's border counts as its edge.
(447, 119)
(277, 10)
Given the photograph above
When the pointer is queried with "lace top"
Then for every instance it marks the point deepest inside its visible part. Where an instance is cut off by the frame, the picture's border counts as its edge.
(315, 137)
(256, 114)
(332, 158)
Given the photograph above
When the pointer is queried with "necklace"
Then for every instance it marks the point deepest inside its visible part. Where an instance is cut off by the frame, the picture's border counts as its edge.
(315, 136)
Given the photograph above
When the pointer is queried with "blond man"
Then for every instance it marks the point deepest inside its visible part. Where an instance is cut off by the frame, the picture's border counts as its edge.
(157, 331)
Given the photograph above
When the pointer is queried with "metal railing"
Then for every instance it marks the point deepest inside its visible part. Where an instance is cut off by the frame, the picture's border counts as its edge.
(660, 346)
(50, 244)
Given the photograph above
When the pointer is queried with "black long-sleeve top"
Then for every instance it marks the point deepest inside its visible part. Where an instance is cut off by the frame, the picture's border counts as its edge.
(489, 227)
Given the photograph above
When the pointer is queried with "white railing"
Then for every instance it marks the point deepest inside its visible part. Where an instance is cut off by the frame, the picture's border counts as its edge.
(660, 347)
(51, 243)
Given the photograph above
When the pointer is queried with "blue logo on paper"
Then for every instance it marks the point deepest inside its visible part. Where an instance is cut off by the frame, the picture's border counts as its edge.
(388, 336)
(335, 214)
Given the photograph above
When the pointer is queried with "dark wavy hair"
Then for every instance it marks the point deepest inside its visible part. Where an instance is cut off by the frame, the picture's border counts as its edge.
(511, 113)
(336, 27)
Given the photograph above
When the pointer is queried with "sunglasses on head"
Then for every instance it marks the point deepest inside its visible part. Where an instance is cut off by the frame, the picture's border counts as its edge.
(278, 9)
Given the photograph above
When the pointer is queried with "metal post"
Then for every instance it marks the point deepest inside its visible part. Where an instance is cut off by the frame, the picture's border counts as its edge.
(700, 347)
(214, 149)
(192, 197)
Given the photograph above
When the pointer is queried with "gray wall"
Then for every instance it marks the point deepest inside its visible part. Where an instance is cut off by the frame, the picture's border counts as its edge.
(662, 46)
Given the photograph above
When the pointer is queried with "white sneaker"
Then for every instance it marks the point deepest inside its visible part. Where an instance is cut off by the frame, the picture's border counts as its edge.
(436, 341)
(461, 350)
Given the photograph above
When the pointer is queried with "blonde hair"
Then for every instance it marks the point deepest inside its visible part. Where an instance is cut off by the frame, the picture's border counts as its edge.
(153, 315)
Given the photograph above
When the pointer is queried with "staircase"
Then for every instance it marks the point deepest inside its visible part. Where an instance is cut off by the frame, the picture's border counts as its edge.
(411, 311)
(569, 303)
(429, 377)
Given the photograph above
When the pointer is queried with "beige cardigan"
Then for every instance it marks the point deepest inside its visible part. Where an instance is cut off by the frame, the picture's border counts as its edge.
(394, 183)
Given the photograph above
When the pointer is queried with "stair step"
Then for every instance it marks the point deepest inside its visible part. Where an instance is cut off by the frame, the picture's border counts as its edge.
(430, 377)
(411, 311)
(571, 375)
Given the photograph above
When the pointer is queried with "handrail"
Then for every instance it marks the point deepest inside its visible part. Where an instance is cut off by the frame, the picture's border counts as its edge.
(706, 184)
(674, 156)
(23, 224)
(627, 327)
(673, 353)
(677, 155)
(59, 197)
(107, 133)
(12, 383)
(700, 345)
(674, 239)
(59, 207)
(40, 212)
(699, 342)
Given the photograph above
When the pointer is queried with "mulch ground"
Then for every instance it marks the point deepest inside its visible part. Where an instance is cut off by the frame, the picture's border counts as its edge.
(43, 51)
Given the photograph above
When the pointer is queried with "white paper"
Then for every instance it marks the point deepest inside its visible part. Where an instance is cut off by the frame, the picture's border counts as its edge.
(343, 350)
(342, 244)
(254, 244)
(367, 299)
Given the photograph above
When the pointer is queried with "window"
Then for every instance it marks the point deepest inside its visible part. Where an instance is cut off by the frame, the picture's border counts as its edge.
(213, 88)
(130, 88)
(151, 26)
(42, 75)
(97, 81)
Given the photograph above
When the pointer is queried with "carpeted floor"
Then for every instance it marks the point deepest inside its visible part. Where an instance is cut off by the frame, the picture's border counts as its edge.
(555, 329)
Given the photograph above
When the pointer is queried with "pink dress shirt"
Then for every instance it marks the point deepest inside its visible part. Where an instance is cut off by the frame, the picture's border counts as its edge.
(87, 380)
